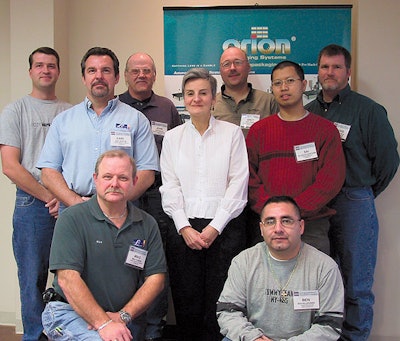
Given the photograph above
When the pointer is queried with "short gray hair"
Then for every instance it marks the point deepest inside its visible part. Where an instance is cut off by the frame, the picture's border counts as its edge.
(200, 73)
(115, 153)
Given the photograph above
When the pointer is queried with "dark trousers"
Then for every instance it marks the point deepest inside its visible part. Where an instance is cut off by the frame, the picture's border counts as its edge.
(153, 318)
(253, 232)
(197, 278)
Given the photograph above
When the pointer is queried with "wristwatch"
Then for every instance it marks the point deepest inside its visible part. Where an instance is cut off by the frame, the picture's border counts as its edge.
(125, 317)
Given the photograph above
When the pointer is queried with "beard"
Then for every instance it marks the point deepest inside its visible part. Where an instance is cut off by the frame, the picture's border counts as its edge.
(100, 92)
(330, 86)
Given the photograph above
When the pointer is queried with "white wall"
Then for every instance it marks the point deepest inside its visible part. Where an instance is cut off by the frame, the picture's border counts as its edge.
(7, 267)
(126, 26)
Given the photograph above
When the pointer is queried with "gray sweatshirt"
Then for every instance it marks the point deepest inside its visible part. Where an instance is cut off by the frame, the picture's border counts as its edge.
(251, 304)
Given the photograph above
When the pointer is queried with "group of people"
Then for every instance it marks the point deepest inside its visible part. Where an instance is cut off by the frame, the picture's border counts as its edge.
(249, 199)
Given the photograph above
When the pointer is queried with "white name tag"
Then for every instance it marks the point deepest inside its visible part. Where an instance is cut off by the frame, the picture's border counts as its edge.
(247, 120)
(159, 128)
(136, 257)
(343, 130)
(121, 139)
(306, 152)
(306, 300)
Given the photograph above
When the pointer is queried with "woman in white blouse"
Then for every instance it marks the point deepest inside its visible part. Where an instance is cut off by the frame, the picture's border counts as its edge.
(204, 170)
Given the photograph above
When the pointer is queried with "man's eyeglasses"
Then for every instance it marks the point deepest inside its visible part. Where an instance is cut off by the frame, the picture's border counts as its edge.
(136, 72)
(289, 81)
(227, 64)
(285, 222)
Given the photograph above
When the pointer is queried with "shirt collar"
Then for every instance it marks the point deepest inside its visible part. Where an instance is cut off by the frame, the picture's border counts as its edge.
(339, 97)
(112, 103)
(134, 214)
(211, 125)
(132, 101)
(249, 95)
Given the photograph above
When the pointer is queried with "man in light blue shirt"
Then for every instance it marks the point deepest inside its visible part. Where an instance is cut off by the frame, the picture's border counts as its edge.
(101, 122)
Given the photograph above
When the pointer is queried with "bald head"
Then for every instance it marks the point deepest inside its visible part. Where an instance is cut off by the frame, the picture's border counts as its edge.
(233, 51)
(234, 69)
(140, 75)
(140, 57)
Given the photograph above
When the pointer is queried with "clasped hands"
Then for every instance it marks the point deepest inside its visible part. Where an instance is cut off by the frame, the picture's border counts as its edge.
(199, 240)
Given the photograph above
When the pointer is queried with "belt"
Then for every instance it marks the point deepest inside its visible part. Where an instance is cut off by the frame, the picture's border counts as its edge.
(50, 295)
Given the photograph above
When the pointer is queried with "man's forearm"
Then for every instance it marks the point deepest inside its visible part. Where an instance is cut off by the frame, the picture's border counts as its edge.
(25, 181)
(80, 298)
(146, 294)
(21, 177)
(54, 181)
(145, 178)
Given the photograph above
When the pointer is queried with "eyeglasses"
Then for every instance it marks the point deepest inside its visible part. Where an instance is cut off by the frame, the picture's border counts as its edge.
(136, 72)
(227, 64)
(289, 81)
(285, 222)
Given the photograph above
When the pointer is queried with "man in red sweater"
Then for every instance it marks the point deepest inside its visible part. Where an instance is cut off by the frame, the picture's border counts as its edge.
(295, 153)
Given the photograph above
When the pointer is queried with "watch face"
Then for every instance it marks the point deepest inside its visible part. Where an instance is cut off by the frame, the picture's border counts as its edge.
(126, 317)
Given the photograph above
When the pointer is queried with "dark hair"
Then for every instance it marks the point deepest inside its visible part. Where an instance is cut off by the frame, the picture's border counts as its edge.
(287, 63)
(45, 50)
(115, 153)
(200, 73)
(285, 199)
(336, 50)
(100, 51)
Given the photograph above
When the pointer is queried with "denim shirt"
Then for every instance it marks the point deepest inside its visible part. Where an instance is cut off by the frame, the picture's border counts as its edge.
(78, 136)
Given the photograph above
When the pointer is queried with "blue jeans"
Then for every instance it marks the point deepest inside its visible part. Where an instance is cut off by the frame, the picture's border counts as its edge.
(33, 228)
(354, 242)
(62, 323)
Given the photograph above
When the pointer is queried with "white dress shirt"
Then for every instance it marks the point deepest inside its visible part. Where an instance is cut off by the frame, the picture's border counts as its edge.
(204, 176)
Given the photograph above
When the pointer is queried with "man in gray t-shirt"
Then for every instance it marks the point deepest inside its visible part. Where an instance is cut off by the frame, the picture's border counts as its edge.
(281, 288)
(23, 128)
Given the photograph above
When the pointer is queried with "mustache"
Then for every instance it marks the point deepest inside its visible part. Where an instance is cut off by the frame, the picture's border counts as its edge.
(99, 83)
(113, 190)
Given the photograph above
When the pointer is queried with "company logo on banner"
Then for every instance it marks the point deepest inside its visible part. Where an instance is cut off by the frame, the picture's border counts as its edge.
(196, 37)
(260, 43)
(260, 48)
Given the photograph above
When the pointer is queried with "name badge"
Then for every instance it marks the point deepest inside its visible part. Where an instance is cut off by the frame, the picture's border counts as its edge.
(306, 152)
(343, 130)
(159, 128)
(247, 120)
(136, 257)
(121, 139)
(306, 300)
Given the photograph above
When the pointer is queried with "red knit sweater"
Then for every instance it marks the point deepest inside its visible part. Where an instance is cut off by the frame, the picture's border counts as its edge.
(275, 171)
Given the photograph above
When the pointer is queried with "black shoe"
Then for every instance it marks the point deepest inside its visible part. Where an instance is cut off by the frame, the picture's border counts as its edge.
(42, 337)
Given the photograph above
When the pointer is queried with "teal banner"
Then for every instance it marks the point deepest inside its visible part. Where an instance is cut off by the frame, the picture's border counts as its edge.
(196, 37)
